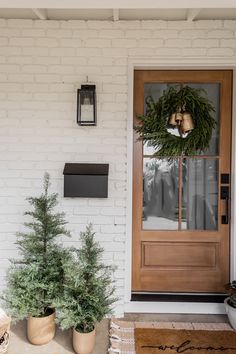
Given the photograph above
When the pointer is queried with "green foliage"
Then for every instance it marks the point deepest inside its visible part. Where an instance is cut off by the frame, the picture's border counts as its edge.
(153, 127)
(35, 279)
(88, 287)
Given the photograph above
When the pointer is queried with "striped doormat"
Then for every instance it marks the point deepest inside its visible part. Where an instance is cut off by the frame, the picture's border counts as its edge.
(122, 332)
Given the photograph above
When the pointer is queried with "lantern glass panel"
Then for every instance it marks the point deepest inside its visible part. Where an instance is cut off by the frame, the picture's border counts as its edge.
(87, 106)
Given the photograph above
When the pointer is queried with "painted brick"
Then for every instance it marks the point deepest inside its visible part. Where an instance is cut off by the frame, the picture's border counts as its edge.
(47, 42)
(138, 33)
(229, 24)
(111, 34)
(194, 52)
(209, 24)
(3, 41)
(20, 60)
(166, 33)
(42, 63)
(193, 33)
(46, 60)
(220, 34)
(8, 51)
(9, 68)
(124, 43)
(73, 24)
(230, 43)
(149, 52)
(153, 24)
(73, 60)
(168, 51)
(179, 25)
(20, 23)
(34, 69)
(177, 43)
(21, 41)
(88, 33)
(62, 52)
(59, 33)
(68, 42)
(221, 52)
(46, 24)
(9, 32)
(150, 43)
(61, 69)
(98, 43)
(23, 78)
(208, 43)
(3, 22)
(35, 52)
(98, 25)
(89, 52)
(33, 33)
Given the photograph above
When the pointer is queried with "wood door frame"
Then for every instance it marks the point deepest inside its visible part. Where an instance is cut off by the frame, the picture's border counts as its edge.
(173, 64)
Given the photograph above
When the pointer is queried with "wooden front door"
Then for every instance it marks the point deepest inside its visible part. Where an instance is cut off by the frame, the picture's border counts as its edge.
(181, 209)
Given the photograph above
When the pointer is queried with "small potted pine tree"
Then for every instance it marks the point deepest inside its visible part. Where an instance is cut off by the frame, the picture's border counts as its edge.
(35, 279)
(88, 292)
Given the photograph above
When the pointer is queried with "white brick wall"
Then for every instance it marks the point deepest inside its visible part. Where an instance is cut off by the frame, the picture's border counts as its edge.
(42, 63)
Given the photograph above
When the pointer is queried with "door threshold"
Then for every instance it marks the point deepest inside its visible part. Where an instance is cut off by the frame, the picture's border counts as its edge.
(178, 297)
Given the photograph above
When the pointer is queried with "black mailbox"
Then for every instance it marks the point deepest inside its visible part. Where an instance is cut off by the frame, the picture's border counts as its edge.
(86, 180)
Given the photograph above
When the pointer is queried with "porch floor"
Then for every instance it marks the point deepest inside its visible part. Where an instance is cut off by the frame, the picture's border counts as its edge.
(61, 344)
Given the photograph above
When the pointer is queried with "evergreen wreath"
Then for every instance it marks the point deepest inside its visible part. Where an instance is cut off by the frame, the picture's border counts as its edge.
(154, 124)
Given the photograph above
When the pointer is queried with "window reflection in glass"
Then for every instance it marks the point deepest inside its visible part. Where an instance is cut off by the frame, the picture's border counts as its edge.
(160, 194)
(212, 92)
(200, 194)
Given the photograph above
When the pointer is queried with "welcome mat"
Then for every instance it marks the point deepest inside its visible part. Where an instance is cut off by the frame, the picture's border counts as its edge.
(172, 341)
(122, 336)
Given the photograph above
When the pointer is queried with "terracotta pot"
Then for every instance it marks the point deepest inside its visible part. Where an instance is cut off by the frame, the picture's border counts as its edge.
(83, 343)
(40, 330)
(231, 312)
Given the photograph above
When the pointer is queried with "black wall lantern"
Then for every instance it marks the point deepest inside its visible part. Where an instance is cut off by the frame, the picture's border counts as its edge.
(86, 105)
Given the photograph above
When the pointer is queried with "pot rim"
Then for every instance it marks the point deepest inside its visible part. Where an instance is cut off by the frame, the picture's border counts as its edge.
(226, 302)
(84, 332)
(43, 317)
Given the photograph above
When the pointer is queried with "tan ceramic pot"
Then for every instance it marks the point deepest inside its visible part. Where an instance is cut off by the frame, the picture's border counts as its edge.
(83, 343)
(40, 330)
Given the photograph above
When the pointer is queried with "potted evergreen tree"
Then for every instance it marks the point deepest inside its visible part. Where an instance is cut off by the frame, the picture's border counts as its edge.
(88, 292)
(34, 280)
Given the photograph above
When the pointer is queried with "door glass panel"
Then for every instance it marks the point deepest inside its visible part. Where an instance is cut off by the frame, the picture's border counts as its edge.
(160, 194)
(212, 93)
(200, 194)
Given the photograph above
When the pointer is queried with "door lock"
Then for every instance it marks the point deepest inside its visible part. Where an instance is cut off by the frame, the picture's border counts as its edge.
(224, 195)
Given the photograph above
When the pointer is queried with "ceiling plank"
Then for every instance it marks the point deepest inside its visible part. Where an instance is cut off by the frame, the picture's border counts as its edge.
(116, 14)
(192, 14)
(41, 13)
(121, 4)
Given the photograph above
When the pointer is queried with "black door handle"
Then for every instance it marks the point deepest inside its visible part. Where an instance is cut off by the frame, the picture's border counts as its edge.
(224, 195)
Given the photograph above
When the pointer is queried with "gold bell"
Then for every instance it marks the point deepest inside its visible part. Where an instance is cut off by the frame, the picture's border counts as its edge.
(187, 122)
(172, 119)
(178, 118)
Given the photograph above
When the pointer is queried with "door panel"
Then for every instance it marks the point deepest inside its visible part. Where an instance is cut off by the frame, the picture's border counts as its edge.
(179, 240)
